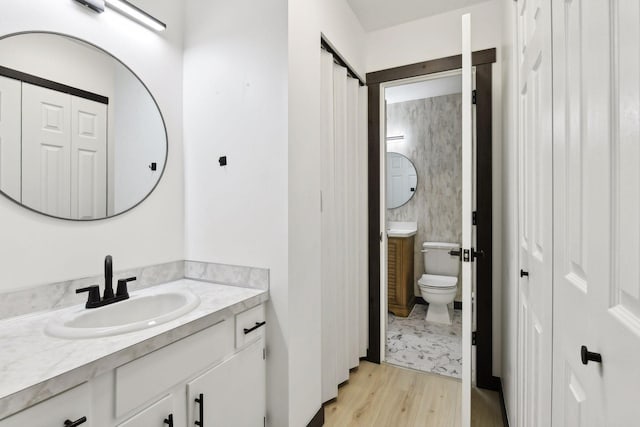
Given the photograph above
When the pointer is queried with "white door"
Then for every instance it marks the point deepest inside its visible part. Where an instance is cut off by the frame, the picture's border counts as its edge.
(10, 136)
(46, 150)
(88, 159)
(467, 206)
(597, 211)
(535, 214)
(233, 393)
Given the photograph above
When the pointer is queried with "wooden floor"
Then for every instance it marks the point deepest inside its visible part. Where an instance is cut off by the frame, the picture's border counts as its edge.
(385, 395)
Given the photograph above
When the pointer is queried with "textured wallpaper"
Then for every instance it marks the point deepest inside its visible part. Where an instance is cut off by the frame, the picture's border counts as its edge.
(432, 130)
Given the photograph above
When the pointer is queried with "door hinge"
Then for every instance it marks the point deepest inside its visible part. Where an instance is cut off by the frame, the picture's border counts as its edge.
(381, 236)
(474, 335)
(474, 218)
(264, 353)
(474, 97)
(264, 421)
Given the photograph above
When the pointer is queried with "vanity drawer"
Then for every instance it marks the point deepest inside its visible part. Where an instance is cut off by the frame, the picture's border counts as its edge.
(143, 379)
(250, 325)
(71, 405)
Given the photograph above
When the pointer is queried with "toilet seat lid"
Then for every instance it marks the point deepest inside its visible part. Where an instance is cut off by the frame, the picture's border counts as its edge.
(439, 282)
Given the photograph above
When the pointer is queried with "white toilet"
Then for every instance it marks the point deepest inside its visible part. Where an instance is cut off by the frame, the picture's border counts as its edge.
(439, 284)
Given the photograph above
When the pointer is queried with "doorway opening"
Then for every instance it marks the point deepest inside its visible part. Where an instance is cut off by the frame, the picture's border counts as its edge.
(422, 207)
(378, 244)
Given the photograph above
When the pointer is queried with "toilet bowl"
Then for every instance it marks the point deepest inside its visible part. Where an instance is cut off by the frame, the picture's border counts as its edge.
(439, 285)
(439, 292)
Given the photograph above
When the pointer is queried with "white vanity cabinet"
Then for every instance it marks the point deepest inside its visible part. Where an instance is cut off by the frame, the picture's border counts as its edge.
(231, 394)
(225, 363)
(72, 405)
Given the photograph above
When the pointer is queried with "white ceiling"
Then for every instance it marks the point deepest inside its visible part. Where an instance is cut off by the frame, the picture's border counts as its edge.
(377, 14)
(423, 90)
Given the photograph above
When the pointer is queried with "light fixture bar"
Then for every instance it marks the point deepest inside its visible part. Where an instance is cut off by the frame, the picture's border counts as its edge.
(95, 5)
(137, 14)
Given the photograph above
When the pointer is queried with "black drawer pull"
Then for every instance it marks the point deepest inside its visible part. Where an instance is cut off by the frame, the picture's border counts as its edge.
(524, 273)
(169, 420)
(588, 356)
(200, 401)
(258, 324)
(69, 423)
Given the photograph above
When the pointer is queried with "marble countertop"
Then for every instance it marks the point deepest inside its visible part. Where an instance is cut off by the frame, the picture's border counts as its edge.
(35, 366)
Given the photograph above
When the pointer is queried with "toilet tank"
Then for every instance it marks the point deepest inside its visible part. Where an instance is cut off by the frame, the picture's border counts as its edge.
(437, 259)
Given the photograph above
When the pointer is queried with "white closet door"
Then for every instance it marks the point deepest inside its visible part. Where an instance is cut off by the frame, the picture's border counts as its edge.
(328, 233)
(46, 147)
(363, 220)
(88, 159)
(10, 136)
(597, 211)
(341, 168)
(467, 206)
(353, 306)
(536, 215)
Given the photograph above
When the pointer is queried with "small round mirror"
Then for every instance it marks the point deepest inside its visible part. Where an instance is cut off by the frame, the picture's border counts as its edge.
(402, 180)
(82, 137)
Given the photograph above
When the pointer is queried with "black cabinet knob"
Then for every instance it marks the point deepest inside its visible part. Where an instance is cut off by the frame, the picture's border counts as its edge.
(524, 273)
(169, 420)
(587, 356)
(69, 423)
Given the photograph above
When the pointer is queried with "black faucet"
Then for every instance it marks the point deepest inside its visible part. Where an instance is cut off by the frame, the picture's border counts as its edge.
(122, 293)
(108, 277)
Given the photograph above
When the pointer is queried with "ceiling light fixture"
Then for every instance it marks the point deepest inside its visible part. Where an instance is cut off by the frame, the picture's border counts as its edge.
(95, 5)
(135, 13)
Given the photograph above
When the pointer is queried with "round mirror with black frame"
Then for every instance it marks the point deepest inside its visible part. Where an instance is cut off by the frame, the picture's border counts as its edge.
(82, 138)
(402, 180)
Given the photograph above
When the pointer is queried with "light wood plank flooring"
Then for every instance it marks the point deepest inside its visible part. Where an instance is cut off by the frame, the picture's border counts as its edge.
(385, 395)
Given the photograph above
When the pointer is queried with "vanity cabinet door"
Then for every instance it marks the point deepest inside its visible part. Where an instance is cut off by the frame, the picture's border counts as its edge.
(400, 295)
(71, 405)
(160, 414)
(232, 393)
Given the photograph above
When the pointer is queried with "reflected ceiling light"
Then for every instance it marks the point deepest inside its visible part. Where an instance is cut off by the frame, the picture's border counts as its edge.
(395, 138)
(135, 13)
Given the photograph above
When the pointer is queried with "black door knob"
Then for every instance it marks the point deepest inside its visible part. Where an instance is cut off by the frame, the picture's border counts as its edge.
(587, 356)
(169, 420)
(524, 273)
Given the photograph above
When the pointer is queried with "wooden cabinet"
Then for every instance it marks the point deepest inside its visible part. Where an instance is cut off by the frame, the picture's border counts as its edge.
(400, 297)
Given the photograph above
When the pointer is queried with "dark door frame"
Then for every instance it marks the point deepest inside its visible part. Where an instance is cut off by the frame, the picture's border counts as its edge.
(483, 61)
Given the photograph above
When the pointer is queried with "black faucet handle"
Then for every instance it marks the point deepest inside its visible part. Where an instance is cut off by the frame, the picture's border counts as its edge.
(94, 295)
(122, 291)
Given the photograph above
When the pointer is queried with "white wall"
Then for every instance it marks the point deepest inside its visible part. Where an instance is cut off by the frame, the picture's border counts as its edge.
(440, 36)
(433, 37)
(36, 249)
(139, 139)
(235, 104)
(510, 267)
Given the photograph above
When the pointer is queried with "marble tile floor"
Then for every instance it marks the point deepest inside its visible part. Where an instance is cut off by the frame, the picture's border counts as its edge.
(429, 347)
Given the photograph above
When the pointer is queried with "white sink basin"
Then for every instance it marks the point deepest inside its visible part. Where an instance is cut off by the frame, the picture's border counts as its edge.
(138, 312)
(401, 229)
